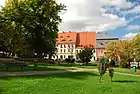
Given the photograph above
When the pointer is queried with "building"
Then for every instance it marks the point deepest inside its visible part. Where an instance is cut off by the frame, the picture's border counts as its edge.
(102, 40)
(69, 44)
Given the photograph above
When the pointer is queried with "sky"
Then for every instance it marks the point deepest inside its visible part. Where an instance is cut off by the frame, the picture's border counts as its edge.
(119, 18)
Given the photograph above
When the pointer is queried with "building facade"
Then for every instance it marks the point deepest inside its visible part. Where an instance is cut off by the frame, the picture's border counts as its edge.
(102, 39)
(69, 44)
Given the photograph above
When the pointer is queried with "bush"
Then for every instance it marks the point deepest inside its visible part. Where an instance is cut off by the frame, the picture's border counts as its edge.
(123, 64)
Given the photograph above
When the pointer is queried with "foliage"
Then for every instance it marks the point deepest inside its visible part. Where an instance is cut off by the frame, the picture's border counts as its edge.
(112, 50)
(86, 54)
(123, 64)
(121, 49)
(31, 26)
(102, 66)
(70, 60)
(136, 47)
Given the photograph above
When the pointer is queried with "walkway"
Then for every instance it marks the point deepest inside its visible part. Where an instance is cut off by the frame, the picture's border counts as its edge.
(3, 74)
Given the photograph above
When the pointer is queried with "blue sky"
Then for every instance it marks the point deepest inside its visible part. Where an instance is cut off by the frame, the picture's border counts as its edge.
(120, 18)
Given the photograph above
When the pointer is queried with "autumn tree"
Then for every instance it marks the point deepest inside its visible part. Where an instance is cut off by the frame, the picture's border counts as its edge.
(136, 47)
(120, 49)
(112, 50)
(126, 51)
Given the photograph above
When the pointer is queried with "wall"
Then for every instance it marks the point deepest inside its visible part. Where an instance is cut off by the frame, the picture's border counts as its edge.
(100, 52)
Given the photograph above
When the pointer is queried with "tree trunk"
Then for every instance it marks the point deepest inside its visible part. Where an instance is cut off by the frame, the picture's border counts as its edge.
(138, 65)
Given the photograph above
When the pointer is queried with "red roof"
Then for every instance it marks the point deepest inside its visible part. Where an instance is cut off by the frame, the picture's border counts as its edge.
(82, 39)
(67, 37)
(86, 39)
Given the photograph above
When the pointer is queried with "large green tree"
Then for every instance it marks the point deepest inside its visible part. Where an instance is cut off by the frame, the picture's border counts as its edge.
(35, 22)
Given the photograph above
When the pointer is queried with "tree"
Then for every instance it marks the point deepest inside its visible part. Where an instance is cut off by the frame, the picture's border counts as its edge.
(126, 51)
(103, 65)
(86, 54)
(121, 49)
(36, 21)
(136, 47)
(112, 50)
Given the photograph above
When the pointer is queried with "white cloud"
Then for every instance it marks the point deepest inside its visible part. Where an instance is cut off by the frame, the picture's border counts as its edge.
(88, 15)
(129, 35)
(133, 27)
(2, 2)
(134, 10)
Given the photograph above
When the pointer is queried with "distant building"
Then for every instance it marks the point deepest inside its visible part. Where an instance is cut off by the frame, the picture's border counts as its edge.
(102, 40)
(69, 44)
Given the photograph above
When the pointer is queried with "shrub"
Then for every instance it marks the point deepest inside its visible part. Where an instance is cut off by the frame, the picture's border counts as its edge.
(123, 64)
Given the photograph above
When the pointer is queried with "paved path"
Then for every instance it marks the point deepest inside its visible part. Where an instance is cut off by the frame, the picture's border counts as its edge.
(3, 74)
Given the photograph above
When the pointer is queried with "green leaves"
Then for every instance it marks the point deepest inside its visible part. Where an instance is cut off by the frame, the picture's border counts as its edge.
(34, 21)
(86, 54)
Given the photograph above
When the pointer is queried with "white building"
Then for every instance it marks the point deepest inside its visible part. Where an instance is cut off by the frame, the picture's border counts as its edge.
(71, 43)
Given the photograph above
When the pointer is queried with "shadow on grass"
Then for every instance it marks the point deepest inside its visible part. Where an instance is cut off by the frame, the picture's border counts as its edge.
(70, 75)
(1, 91)
(125, 81)
(30, 68)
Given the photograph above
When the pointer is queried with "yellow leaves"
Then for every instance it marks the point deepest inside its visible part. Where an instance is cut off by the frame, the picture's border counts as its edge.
(120, 48)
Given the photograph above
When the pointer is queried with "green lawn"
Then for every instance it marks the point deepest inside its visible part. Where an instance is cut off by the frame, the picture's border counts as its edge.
(38, 68)
(69, 83)
(125, 70)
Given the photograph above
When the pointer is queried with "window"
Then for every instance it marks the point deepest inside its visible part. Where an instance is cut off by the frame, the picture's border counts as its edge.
(101, 43)
(71, 46)
(68, 45)
(71, 50)
(64, 56)
(76, 51)
(61, 36)
(61, 46)
(64, 46)
(61, 57)
(101, 51)
(63, 40)
(94, 57)
(61, 50)
(64, 50)
(68, 50)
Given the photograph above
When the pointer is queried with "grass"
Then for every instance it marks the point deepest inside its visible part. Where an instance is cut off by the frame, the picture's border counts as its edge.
(69, 83)
(38, 68)
(125, 70)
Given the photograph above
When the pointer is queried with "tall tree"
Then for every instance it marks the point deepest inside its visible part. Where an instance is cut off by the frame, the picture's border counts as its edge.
(136, 47)
(120, 49)
(126, 51)
(36, 20)
(112, 50)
